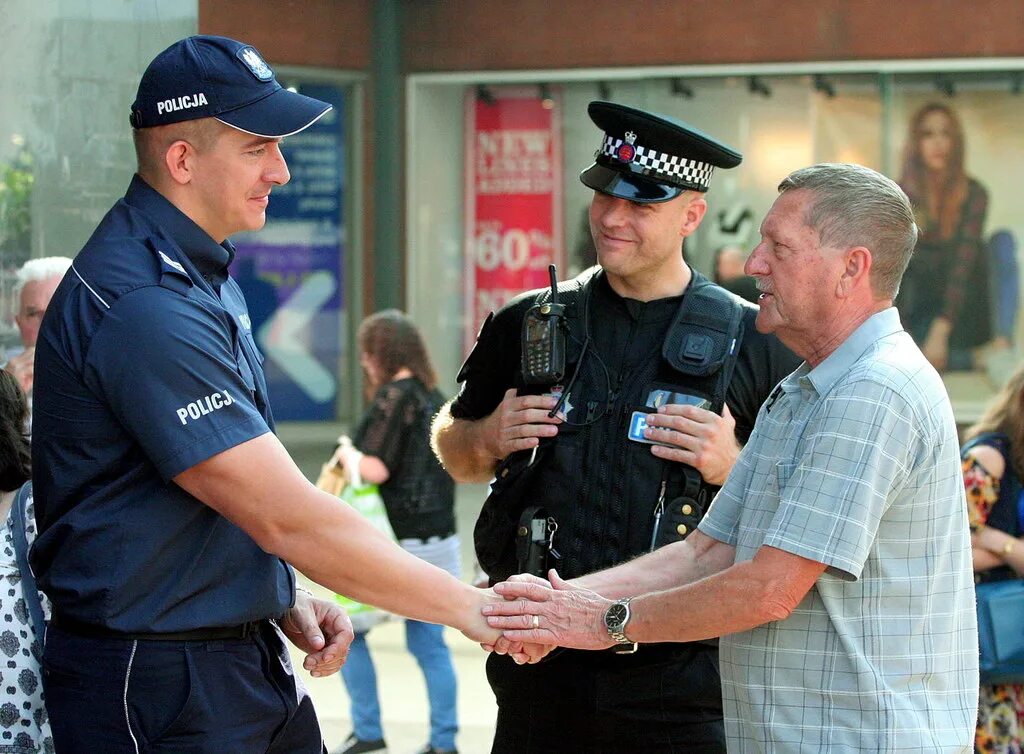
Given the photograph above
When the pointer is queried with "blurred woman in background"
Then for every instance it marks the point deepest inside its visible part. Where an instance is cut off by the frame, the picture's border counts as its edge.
(993, 464)
(391, 448)
(944, 299)
(26, 725)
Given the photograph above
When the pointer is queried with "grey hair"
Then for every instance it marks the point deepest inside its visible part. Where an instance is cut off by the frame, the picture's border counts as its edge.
(42, 268)
(858, 206)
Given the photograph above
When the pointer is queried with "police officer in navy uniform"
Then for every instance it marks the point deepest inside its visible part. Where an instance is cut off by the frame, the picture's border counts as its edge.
(168, 511)
(664, 376)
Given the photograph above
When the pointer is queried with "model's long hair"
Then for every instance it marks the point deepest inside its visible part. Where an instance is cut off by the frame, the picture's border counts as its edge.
(1005, 413)
(15, 458)
(393, 341)
(937, 200)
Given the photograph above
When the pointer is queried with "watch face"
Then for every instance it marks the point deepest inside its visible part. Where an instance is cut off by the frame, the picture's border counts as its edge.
(616, 616)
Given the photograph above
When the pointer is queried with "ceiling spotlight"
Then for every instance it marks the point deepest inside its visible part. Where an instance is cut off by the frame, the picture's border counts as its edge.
(681, 89)
(1015, 82)
(485, 95)
(603, 90)
(945, 85)
(546, 100)
(756, 85)
(823, 85)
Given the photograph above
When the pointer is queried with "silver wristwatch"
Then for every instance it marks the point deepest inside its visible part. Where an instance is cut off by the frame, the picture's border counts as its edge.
(615, 619)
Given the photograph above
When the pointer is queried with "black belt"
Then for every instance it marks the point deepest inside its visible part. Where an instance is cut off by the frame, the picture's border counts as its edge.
(213, 633)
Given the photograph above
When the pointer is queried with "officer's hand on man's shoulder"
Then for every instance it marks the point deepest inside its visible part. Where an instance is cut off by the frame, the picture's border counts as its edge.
(697, 437)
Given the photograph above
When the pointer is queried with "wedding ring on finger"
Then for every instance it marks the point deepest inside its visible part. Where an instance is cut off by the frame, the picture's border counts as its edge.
(536, 621)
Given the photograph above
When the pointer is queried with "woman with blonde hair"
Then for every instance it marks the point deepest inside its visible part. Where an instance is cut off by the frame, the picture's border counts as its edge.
(944, 298)
(993, 467)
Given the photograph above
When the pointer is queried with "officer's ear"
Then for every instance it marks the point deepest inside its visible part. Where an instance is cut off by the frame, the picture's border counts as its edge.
(178, 159)
(693, 213)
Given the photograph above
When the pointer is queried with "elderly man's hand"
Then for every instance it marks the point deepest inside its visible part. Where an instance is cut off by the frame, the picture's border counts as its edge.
(558, 614)
(698, 437)
(322, 629)
(22, 368)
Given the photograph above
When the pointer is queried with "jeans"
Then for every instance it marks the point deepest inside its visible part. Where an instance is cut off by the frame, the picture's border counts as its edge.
(426, 643)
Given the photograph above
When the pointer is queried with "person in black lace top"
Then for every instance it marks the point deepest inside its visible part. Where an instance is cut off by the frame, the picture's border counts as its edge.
(944, 297)
(391, 448)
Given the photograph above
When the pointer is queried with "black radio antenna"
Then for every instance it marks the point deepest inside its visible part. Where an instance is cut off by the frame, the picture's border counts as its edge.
(553, 274)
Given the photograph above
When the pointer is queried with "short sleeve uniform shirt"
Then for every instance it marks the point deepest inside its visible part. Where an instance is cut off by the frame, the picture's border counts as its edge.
(855, 465)
(145, 367)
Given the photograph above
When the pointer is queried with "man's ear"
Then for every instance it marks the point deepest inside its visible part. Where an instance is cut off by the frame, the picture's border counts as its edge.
(178, 159)
(693, 214)
(855, 274)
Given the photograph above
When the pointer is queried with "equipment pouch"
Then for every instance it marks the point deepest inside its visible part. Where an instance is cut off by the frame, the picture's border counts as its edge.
(533, 541)
(495, 532)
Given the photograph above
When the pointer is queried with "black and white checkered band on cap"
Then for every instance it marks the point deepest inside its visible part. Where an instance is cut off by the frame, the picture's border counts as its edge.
(680, 171)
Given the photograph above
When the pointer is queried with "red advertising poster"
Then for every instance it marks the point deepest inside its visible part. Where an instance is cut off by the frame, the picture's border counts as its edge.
(513, 199)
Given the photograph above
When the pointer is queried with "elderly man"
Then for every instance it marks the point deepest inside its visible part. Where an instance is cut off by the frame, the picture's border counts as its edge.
(34, 285)
(835, 562)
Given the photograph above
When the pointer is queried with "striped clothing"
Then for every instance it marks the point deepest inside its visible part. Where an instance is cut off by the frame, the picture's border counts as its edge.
(856, 465)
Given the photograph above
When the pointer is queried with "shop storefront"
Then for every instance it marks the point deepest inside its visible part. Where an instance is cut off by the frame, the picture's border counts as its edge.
(470, 146)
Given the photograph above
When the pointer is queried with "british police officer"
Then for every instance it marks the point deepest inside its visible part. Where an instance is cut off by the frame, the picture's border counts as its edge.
(663, 377)
(168, 511)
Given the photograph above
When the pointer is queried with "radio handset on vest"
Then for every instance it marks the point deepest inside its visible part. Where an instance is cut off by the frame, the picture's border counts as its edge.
(544, 339)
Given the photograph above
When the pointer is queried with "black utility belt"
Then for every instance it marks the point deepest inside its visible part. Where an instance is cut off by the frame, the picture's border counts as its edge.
(212, 633)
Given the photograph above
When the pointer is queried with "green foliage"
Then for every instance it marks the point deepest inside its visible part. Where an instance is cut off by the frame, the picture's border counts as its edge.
(16, 181)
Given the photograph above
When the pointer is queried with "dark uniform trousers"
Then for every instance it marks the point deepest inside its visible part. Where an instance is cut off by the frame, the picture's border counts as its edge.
(664, 698)
(125, 696)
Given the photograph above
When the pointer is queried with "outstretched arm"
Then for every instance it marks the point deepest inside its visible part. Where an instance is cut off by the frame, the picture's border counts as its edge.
(257, 486)
(745, 595)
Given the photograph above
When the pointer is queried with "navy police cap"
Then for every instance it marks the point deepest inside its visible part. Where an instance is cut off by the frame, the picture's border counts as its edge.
(651, 158)
(217, 77)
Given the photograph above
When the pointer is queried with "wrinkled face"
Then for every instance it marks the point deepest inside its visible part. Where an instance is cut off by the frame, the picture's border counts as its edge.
(935, 140)
(797, 277)
(636, 239)
(35, 297)
(233, 178)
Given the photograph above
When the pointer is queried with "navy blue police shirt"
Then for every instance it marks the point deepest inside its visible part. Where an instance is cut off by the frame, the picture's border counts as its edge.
(145, 367)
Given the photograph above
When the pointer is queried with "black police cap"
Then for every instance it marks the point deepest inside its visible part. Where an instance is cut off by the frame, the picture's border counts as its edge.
(651, 158)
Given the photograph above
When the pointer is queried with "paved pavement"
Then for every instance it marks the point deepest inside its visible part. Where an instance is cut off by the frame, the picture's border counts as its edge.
(403, 696)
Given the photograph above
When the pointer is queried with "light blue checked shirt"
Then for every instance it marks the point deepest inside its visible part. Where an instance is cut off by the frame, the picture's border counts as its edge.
(857, 466)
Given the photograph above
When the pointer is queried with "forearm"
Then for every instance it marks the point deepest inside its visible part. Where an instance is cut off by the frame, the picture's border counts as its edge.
(993, 548)
(462, 447)
(258, 487)
(336, 547)
(695, 558)
(735, 599)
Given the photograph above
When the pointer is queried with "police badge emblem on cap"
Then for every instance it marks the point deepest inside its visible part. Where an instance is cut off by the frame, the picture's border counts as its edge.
(627, 151)
(255, 63)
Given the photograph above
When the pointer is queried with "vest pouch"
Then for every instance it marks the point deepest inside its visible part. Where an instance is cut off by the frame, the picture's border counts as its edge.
(703, 335)
(533, 541)
(682, 514)
(494, 535)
